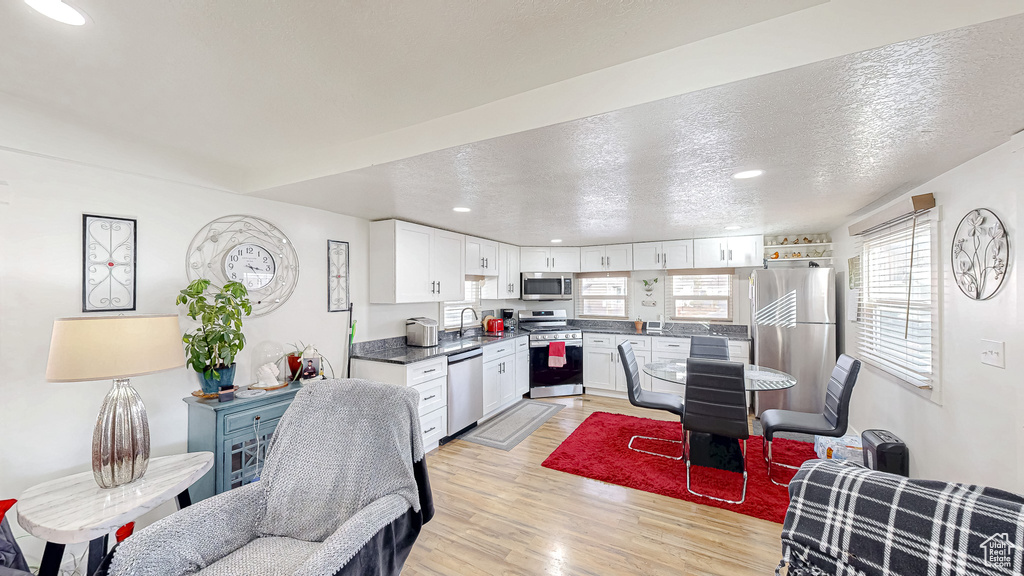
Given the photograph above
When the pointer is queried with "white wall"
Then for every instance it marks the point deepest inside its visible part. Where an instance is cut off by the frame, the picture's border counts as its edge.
(970, 428)
(46, 428)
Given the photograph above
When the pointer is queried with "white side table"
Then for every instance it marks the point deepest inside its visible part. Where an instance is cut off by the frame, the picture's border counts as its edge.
(74, 509)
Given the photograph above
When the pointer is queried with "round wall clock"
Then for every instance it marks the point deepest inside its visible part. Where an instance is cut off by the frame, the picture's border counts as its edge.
(249, 250)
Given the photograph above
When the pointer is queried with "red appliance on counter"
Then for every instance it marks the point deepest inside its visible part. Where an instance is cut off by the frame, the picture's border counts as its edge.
(495, 325)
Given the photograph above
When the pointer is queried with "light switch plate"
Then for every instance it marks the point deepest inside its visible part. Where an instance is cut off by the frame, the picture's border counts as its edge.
(993, 353)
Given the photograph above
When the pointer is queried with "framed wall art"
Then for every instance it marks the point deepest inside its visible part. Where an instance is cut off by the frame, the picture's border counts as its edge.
(337, 276)
(980, 253)
(108, 263)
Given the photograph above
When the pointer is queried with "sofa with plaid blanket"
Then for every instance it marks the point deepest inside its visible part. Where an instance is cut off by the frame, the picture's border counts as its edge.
(847, 520)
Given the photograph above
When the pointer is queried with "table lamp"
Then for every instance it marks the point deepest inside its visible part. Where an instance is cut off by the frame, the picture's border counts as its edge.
(116, 347)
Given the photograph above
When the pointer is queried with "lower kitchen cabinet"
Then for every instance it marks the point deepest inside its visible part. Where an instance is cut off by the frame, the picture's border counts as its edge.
(500, 375)
(522, 366)
(602, 367)
(428, 378)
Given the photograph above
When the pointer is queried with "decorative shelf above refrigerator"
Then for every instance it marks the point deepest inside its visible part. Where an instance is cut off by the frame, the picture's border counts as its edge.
(798, 248)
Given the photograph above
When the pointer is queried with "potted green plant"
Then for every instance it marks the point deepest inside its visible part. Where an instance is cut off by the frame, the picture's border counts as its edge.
(639, 324)
(211, 348)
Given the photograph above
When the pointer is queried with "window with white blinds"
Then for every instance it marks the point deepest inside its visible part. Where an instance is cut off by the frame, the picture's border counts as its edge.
(898, 320)
(602, 295)
(453, 310)
(699, 297)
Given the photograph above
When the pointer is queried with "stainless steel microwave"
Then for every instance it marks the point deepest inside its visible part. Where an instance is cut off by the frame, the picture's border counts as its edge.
(546, 286)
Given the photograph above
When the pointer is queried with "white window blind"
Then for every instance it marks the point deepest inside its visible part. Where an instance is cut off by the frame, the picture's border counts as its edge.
(898, 323)
(603, 295)
(453, 310)
(699, 297)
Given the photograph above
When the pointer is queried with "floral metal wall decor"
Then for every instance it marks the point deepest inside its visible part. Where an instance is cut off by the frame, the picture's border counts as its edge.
(108, 263)
(980, 253)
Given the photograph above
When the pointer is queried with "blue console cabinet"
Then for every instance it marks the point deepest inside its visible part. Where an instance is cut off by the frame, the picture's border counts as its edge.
(237, 432)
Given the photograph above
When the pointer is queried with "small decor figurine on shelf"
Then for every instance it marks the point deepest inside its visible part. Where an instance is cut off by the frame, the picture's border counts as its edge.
(211, 348)
(980, 254)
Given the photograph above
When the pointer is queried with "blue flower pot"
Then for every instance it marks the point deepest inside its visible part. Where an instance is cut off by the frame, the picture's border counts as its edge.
(212, 385)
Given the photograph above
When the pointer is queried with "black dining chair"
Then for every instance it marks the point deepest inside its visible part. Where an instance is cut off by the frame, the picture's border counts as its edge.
(709, 347)
(716, 403)
(649, 399)
(832, 421)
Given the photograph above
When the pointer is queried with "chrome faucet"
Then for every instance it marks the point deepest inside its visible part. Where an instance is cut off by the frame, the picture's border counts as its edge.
(462, 318)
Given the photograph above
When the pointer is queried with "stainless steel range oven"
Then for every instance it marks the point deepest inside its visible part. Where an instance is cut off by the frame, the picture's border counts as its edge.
(549, 378)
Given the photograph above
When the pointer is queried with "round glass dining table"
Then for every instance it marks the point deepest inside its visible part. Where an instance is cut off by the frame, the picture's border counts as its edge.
(758, 378)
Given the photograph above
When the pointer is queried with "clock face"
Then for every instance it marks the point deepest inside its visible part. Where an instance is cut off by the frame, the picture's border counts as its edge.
(250, 264)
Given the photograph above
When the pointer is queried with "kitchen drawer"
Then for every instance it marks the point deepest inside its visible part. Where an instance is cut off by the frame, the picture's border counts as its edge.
(523, 345)
(599, 340)
(739, 352)
(674, 345)
(499, 349)
(433, 395)
(243, 421)
(427, 370)
(637, 342)
(434, 426)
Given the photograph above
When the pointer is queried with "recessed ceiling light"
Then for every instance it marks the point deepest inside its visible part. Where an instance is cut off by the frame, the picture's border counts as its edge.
(556, 240)
(57, 10)
(460, 209)
(732, 227)
(747, 174)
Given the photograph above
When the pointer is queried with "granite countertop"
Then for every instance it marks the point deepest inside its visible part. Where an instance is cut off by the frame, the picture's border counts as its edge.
(395, 351)
(663, 333)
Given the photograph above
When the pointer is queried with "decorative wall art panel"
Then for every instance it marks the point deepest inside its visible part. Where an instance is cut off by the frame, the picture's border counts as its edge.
(337, 276)
(108, 263)
(980, 253)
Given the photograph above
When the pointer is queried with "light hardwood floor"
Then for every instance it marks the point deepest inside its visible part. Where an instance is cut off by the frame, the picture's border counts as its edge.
(501, 513)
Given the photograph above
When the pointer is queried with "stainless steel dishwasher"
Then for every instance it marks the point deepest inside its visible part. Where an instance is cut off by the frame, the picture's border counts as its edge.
(465, 389)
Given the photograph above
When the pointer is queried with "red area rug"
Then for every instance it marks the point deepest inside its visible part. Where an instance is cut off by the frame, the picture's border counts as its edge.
(598, 449)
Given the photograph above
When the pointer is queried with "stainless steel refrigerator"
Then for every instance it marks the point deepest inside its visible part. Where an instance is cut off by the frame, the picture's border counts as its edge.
(793, 325)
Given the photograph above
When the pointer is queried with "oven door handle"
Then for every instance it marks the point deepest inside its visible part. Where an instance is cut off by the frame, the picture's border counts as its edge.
(544, 344)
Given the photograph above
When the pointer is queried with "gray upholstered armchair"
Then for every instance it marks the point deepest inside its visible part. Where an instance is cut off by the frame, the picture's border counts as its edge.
(344, 491)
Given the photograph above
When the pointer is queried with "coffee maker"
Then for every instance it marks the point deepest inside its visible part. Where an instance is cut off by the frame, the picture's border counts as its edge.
(508, 316)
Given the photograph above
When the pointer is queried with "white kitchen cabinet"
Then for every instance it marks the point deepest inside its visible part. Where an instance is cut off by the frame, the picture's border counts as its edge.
(731, 252)
(564, 259)
(508, 272)
(522, 366)
(597, 368)
(675, 254)
(602, 367)
(414, 263)
(613, 258)
(669, 350)
(507, 380)
(492, 386)
(429, 378)
(481, 257)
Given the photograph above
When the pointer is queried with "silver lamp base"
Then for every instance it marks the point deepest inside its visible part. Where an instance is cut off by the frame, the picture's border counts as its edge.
(120, 442)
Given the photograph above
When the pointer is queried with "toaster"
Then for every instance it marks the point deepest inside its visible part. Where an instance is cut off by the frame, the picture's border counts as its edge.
(421, 332)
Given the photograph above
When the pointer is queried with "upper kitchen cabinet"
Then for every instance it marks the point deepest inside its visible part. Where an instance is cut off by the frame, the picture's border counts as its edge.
(733, 252)
(663, 255)
(506, 285)
(481, 257)
(564, 259)
(413, 263)
(614, 258)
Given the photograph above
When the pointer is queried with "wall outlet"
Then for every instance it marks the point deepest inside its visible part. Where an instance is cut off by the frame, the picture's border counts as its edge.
(993, 353)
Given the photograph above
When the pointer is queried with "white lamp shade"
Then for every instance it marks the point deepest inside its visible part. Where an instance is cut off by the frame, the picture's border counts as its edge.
(110, 347)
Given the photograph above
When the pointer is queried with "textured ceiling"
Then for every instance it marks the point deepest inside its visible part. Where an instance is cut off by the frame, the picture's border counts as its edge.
(832, 136)
(242, 84)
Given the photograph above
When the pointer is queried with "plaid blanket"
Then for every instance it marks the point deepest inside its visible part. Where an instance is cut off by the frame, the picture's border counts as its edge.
(847, 520)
